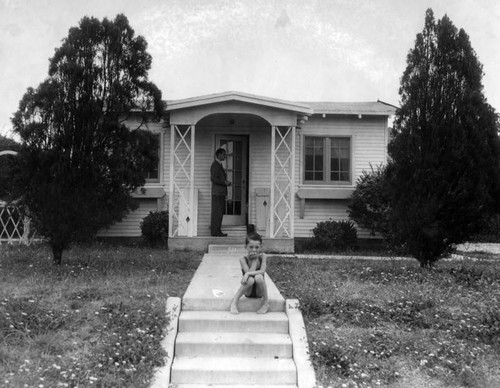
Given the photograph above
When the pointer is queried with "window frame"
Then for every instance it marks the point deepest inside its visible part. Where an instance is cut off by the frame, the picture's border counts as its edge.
(326, 181)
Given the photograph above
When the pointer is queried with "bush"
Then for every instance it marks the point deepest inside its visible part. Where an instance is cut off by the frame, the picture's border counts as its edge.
(154, 227)
(335, 235)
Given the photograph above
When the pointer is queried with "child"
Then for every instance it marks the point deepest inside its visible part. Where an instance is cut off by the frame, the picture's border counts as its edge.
(253, 267)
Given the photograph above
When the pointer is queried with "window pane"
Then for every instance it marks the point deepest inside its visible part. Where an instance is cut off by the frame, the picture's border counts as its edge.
(309, 163)
(314, 158)
(344, 165)
(340, 159)
(153, 173)
(318, 163)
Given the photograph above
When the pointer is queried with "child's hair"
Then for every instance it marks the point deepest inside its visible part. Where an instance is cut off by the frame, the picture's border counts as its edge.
(254, 236)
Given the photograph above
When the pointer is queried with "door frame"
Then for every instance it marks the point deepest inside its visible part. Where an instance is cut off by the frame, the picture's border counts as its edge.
(242, 219)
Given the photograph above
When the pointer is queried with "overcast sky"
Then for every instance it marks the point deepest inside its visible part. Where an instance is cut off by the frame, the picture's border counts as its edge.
(303, 50)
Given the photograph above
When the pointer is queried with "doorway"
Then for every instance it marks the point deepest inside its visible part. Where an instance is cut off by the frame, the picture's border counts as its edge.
(236, 166)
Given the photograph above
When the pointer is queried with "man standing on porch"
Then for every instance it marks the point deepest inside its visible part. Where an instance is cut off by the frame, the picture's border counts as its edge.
(219, 192)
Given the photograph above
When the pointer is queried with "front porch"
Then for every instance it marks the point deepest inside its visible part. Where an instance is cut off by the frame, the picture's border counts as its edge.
(260, 139)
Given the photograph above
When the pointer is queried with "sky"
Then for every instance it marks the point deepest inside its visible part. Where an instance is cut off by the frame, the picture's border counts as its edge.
(299, 50)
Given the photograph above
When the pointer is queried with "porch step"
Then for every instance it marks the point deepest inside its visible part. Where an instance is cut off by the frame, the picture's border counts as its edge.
(224, 321)
(227, 248)
(233, 386)
(233, 370)
(272, 345)
(235, 231)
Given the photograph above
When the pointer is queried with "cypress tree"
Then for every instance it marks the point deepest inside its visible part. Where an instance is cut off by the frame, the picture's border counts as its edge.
(444, 169)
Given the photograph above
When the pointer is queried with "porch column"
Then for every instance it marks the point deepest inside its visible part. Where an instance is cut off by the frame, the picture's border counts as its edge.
(281, 222)
(181, 203)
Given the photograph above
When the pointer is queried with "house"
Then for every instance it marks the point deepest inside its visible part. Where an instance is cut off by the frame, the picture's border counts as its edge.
(291, 164)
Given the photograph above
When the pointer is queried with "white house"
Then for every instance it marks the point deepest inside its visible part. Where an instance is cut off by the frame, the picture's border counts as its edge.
(291, 164)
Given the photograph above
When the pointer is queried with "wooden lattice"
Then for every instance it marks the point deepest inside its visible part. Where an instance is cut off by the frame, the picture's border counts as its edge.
(15, 226)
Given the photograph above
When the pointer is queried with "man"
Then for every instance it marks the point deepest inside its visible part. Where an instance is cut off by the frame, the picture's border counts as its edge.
(219, 192)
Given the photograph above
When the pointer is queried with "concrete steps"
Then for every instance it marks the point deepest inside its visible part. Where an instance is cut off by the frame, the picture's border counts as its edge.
(246, 322)
(217, 344)
(233, 370)
(216, 348)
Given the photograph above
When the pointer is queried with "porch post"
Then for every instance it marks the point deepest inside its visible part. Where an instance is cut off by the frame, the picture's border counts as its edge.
(292, 185)
(193, 219)
(282, 181)
(171, 197)
(271, 194)
(182, 196)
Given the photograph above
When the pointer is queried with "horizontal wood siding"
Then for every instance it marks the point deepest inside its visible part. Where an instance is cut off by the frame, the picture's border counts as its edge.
(130, 225)
(369, 143)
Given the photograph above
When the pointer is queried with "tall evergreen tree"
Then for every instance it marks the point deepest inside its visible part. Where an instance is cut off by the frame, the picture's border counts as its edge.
(79, 162)
(444, 157)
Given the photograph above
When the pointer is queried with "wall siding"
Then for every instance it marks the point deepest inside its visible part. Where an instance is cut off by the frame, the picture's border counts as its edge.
(369, 143)
(130, 225)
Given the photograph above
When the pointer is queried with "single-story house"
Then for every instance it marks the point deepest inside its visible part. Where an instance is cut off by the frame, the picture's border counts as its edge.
(291, 164)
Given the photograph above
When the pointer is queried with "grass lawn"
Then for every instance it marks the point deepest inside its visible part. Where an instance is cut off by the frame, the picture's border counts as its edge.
(95, 321)
(390, 323)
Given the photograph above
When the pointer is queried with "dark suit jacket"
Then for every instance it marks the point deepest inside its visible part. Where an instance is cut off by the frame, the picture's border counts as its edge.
(218, 178)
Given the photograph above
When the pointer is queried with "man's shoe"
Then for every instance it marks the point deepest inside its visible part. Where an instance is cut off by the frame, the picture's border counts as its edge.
(222, 234)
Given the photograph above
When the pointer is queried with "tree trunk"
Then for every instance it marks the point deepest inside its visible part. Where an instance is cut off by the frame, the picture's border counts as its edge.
(57, 252)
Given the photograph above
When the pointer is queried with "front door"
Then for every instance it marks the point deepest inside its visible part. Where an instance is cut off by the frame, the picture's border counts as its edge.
(236, 168)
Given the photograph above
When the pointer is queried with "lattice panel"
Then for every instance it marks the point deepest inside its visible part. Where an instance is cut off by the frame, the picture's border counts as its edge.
(282, 166)
(15, 226)
(181, 180)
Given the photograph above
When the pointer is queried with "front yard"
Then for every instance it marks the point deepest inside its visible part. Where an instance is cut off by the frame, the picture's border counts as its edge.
(97, 321)
(390, 323)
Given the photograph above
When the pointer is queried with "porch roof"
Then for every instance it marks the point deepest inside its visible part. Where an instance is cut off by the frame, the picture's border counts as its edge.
(298, 107)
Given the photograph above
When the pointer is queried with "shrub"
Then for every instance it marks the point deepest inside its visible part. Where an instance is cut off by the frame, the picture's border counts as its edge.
(154, 227)
(335, 234)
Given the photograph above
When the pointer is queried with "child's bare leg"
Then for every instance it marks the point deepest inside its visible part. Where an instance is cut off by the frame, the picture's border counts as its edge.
(242, 290)
(262, 290)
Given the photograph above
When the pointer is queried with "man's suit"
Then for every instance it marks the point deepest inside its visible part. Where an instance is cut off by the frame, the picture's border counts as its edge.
(219, 192)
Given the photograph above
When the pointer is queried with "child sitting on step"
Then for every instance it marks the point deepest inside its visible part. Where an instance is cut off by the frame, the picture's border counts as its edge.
(253, 267)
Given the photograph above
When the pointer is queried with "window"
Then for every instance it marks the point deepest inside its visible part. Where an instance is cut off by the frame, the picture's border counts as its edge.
(327, 160)
(153, 175)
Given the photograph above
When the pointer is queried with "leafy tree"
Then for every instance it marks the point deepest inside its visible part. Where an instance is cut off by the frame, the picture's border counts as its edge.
(444, 173)
(7, 168)
(80, 163)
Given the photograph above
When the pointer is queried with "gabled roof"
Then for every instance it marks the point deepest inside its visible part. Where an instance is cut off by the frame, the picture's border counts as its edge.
(238, 96)
(378, 108)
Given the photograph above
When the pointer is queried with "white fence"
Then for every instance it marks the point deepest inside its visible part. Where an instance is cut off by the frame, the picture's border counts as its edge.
(15, 226)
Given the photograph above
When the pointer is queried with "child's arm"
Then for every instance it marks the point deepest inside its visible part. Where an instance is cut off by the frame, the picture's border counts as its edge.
(262, 269)
(245, 269)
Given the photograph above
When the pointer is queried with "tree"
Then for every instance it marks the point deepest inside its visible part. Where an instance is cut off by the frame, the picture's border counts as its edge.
(7, 168)
(79, 162)
(444, 170)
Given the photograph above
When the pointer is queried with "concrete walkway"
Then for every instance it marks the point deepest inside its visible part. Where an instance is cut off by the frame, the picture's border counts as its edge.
(207, 346)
